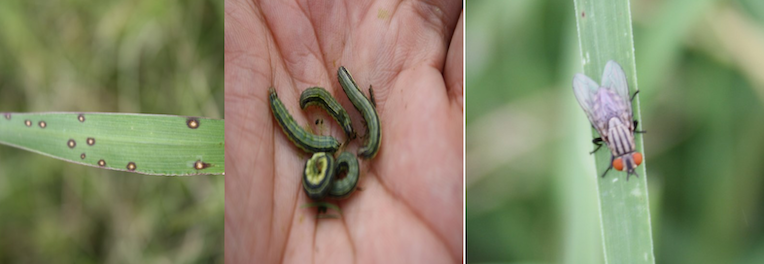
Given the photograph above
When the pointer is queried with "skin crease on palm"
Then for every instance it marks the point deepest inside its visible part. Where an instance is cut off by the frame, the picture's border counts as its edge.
(410, 208)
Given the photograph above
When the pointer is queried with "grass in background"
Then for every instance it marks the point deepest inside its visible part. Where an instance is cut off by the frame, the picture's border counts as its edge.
(525, 132)
(160, 57)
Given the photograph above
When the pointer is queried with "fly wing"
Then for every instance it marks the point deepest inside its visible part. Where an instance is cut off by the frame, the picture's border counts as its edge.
(584, 88)
(614, 78)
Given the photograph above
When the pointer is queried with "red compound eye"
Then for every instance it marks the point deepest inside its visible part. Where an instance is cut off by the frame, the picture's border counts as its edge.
(637, 158)
(618, 164)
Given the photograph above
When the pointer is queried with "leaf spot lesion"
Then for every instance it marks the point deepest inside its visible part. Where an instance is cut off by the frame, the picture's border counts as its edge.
(199, 165)
(131, 166)
(192, 123)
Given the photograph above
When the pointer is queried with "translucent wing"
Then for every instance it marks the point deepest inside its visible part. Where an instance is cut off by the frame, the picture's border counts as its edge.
(584, 88)
(614, 78)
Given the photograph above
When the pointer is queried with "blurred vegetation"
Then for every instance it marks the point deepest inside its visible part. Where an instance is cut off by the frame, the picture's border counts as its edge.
(142, 56)
(530, 182)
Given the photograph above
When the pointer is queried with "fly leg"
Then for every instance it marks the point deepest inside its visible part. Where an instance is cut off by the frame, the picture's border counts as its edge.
(635, 121)
(635, 127)
(597, 141)
(612, 158)
(634, 95)
(629, 174)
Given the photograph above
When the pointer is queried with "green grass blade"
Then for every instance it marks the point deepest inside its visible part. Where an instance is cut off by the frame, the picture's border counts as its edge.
(154, 144)
(604, 33)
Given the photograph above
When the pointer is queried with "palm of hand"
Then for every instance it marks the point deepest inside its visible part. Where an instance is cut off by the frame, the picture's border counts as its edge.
(410, 208)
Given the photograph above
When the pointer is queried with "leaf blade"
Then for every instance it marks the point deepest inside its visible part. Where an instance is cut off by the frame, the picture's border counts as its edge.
(154, 144)
(604, 31)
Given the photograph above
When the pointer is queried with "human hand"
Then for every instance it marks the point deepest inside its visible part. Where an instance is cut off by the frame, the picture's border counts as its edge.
(410, 207)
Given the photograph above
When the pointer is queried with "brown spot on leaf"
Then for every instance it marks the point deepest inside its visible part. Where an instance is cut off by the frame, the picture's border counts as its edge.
(131, 166)
(192, 123)
(199, 165)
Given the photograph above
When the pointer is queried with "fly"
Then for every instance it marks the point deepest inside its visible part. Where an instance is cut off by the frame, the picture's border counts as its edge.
(608, 107)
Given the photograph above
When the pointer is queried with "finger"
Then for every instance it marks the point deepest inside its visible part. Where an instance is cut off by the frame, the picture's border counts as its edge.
(454, 70)
(296, 28)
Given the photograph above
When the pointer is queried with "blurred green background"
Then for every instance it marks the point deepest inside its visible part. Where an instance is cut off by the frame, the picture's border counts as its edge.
(531, 194)
(142, 56)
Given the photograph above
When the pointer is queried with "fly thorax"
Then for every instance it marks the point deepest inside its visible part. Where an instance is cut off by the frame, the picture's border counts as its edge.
(620, 138)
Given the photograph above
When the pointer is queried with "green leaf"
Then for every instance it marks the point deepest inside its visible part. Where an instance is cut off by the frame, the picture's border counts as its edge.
(142, 143)
(604, 33)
